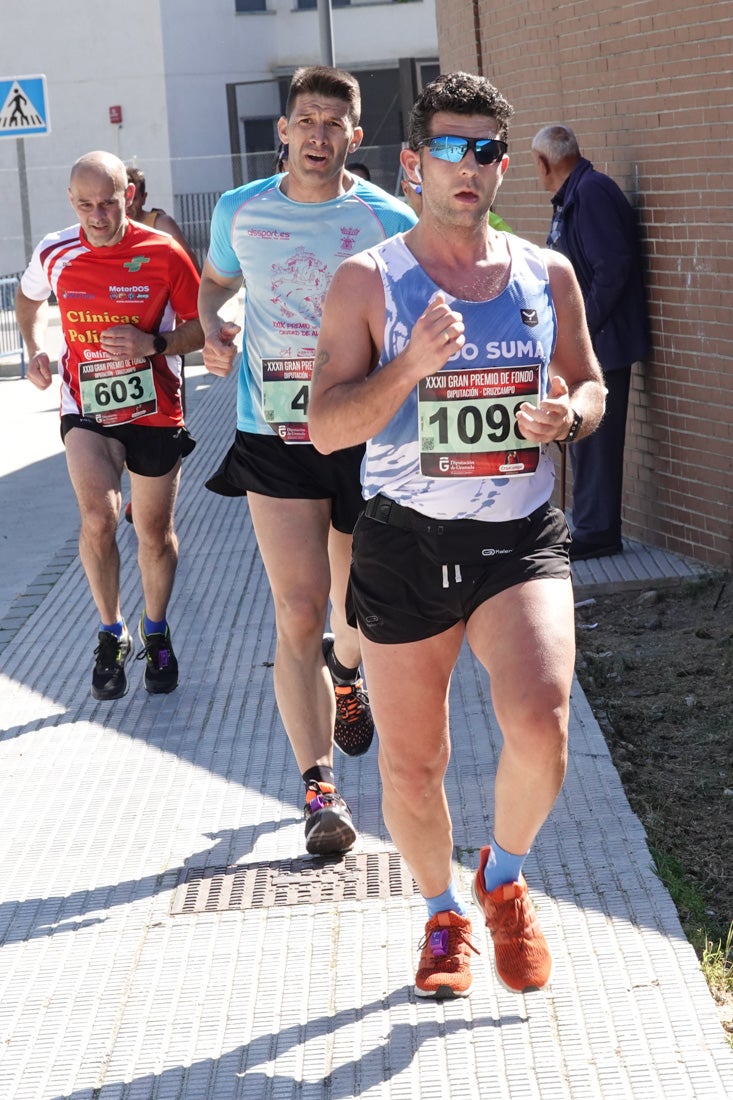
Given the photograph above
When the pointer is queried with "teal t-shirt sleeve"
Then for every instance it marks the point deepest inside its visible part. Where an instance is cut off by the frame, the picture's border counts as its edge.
(394, 214)
(221, 255)
(397, 217)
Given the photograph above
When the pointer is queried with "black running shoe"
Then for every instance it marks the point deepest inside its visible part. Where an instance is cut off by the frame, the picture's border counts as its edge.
(329, 829)
(112, 654)
(161, 666)
(353, 730)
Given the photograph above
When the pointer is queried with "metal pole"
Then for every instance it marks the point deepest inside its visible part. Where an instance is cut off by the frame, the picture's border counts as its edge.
(25, 206)
(325, 27)
(235, 144)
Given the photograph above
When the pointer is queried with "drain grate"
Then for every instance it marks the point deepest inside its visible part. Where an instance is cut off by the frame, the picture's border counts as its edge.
(305, 881)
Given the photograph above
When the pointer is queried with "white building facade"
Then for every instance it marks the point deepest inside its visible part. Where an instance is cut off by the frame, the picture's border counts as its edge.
(198, 85)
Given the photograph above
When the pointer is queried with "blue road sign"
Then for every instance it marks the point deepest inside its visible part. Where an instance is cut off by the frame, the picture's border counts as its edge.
(23, 106)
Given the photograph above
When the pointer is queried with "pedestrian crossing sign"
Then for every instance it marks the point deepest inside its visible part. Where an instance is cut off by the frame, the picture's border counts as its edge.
(23, 106)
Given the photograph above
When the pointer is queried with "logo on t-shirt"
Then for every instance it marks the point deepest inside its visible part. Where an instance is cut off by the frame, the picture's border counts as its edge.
(529, 317)
(349, 235)
(134, 265)
(137, 293)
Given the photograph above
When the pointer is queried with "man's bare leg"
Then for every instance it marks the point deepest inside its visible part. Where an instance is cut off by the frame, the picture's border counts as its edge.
(346, 638)
(95, 465)
(292, 536)
(153, 500)
(293, 540)
(410, 684)
(525, 638)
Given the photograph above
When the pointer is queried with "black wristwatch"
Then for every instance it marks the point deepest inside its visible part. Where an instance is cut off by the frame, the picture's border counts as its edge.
(160, 343)
(574, 427)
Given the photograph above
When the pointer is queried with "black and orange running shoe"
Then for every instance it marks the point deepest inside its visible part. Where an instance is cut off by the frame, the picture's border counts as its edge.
(329, 829)
(353, 730)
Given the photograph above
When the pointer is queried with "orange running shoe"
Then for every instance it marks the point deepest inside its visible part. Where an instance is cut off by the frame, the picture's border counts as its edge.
(445, 961)
(522, 957)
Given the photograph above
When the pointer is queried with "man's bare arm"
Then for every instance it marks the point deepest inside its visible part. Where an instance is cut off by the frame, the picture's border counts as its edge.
(349, 401)
(576, 380)
(33, 323)
(128, 341)
(214, 293)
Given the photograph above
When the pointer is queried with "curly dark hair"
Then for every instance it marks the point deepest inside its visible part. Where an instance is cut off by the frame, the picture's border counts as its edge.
(461, 94)
(326, 81)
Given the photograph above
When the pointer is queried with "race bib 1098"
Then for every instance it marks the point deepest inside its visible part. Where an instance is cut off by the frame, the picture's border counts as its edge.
(468, 422)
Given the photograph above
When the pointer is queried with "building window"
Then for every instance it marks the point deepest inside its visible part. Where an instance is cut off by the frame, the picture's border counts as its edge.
(311, 5)
(250, 5)
(260, 134)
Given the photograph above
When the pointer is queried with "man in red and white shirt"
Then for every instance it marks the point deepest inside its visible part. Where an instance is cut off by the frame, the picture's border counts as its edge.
(119, 287)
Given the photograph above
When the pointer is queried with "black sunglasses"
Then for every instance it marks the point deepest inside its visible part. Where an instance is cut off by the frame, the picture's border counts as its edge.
(454, 149)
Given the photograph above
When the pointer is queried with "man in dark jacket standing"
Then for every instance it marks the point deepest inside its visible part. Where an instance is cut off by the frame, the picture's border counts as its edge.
(594, 225)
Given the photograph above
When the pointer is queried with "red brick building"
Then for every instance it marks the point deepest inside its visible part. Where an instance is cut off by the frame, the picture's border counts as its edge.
(648, 88)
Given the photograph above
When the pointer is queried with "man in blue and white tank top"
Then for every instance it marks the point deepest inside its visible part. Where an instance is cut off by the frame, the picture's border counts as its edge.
(285, 236)
(458, 353)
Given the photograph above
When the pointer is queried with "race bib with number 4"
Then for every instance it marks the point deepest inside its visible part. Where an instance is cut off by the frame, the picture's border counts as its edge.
(285, 392)
(117, 391)
(468, 422)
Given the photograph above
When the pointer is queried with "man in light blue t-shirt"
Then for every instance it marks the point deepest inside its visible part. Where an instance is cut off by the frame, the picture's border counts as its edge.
(285, 236)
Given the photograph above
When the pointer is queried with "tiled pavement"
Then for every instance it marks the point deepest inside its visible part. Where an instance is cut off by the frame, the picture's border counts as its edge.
(116, 981)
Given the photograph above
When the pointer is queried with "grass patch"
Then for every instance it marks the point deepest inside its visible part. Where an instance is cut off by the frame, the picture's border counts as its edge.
(713, 948)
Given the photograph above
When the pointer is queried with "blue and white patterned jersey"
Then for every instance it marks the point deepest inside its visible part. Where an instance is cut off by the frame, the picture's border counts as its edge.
(461, 420)
(288, 253)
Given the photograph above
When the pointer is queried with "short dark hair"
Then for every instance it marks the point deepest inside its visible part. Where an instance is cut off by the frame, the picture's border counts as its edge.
(327, 81)
(461, 94)
(137, 176)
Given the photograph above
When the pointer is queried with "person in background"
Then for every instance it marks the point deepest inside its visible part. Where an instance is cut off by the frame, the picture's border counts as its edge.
(155, 218)
(595, 226)
(465, 354)
(285, 236)
(356, 168)
(120, 288)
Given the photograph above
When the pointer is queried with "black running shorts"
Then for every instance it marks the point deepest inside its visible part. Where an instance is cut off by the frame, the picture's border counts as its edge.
(150, 452)
(293, 471)
(413, 577)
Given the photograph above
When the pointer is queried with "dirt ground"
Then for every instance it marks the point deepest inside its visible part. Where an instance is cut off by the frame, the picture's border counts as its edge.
(657, 668)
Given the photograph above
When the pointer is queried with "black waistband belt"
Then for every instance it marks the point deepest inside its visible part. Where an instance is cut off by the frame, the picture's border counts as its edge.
(384, 510)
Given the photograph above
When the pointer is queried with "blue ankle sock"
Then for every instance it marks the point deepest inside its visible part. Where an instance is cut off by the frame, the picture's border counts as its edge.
(449, 899)
(118, 628)
(502, 867)
(151, 627)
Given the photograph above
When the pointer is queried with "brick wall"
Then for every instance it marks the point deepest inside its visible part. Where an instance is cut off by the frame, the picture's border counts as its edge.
(648, 89)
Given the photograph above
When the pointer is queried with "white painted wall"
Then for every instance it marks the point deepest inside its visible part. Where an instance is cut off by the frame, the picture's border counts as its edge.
(209, 45)
(167, 65)
(92, 60)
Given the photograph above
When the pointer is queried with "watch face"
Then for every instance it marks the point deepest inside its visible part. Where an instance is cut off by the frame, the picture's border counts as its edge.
(160, 344)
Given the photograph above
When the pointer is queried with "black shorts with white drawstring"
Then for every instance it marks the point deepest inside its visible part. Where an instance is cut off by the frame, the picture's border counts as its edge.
(413, 577)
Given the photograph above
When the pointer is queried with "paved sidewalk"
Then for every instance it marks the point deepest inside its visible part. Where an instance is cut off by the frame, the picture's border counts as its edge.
(162, 936)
